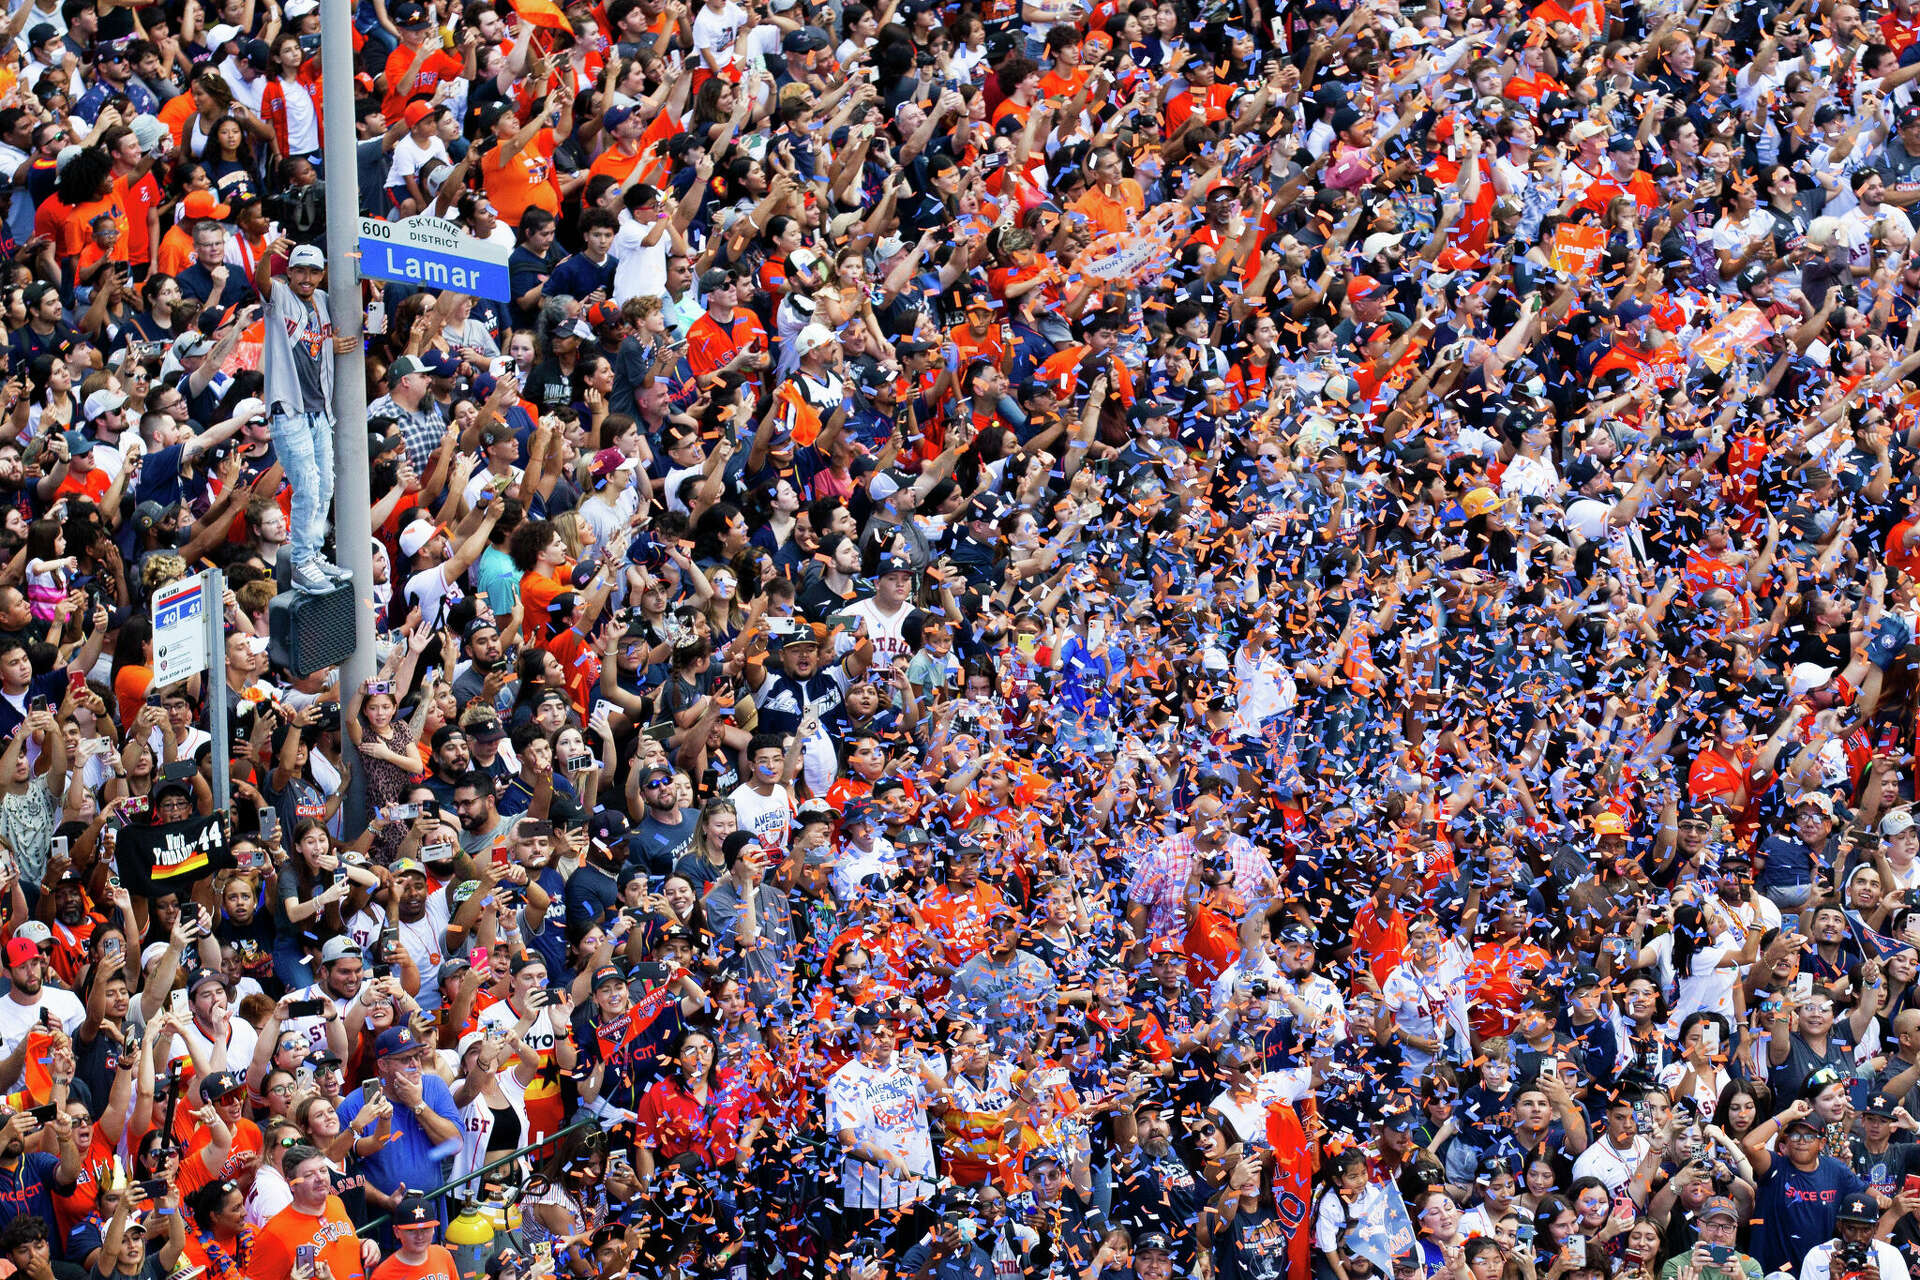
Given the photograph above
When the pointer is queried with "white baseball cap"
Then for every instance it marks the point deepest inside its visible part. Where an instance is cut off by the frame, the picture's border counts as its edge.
(812, 338)
(415, 536)
(307, 255)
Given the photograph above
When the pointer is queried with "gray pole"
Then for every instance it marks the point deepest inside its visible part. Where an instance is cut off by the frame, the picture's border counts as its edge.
(216, 614)
(352, 504)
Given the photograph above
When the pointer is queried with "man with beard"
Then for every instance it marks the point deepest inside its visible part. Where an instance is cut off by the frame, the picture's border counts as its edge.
(1005, 987)
(421, 916)
(341, 969)
(1153, 1188)
(480, 821)
(29, 1180)
(215, 1039)
(665, 834)
(805, 691)
(494, 685)
(450, 760)
(752, 922)
(30, 1003)
(594, 885)
(549, 1036)
(71, 925)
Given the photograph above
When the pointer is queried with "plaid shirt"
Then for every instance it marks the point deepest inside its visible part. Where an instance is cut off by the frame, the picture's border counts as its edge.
(421, 429)
(1159, 881)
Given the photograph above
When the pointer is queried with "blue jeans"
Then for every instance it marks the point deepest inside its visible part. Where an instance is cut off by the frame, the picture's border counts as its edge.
(303, 442)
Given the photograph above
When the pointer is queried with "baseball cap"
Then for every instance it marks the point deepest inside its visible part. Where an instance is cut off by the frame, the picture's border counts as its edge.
(21, 950)
(416, 535)
(812, 338)
(220, 1084)
(395, 1040)
(409, 14)
(1858, 1207)
(604, 974)
(36, 932)
(1896, 822)
(1609, 823)
(609, 828)
(413, 1211)
(221, 34)
(1721, 1206)
(338, 948)
(892, 562)
(1808, 676)
(203, 204)
(403, 366)
(608, 461)
(1364, 287)
(488, 729)
(715, 278)
(104, 401)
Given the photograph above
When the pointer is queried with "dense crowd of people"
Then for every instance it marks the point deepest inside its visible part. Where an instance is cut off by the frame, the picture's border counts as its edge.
(1048, 639)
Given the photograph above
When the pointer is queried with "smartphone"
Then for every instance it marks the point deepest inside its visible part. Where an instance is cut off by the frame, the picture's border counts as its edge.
(501, 857)
(536, 829)
(177, 1003)
(58, 848)
(76, 681)
(380, 972)
(1523, 1233)
(846, 620)
(371, 1092)
(251, 860)
(152, 1188)
(1710, 1036)
(38, 702)
(1803, 986)
(1642, 1119)
(1911, 1187)
(305, 1257)
(389, 938)
(478, 957)
(435, 852)
(1720, 1253)
(1550, 1066)
(306, 1009)
(1577, 1249)
(400, 812)
(575, 764)
(44, 1115)
(650, 971)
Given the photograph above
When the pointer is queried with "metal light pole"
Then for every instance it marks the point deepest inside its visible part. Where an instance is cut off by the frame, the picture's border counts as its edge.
(352, 504)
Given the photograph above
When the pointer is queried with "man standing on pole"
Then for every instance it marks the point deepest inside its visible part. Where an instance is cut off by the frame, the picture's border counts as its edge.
(300, 344)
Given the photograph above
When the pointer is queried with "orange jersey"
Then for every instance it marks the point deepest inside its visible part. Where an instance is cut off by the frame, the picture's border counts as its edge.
(331, 1232)
(438, 1265)
(523, 180)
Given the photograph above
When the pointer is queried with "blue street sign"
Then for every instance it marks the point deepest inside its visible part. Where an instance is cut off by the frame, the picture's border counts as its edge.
(433, 253)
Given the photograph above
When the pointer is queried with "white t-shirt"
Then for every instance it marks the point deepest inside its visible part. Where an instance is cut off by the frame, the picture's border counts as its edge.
(855, 864)
(714, 31)
(303, 123)
(769, 817)
(241, 1038)
(642, 267)
(1608, 1163)
(409, 157)
(435, 594)
(886, 1108)
(17, 1019)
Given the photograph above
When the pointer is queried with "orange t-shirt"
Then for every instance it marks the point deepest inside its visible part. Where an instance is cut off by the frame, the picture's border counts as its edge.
(536, 593)
(615, 163)
(175, 113)
(138, 200)
(176, 251)
(331, 1232)
(438, 1265)
(438, 65)
(524, 180)
(130, 685)
(194, 1174)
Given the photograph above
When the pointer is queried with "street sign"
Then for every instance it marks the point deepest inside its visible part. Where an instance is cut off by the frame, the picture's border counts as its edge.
(180, 630)
(434, 254)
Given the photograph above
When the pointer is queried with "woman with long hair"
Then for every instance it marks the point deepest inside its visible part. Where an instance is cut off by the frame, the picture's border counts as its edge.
(493, 1118)
(230, 162)
(212, 103)
(52, 402)
(302, 905)
(219, 1237)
